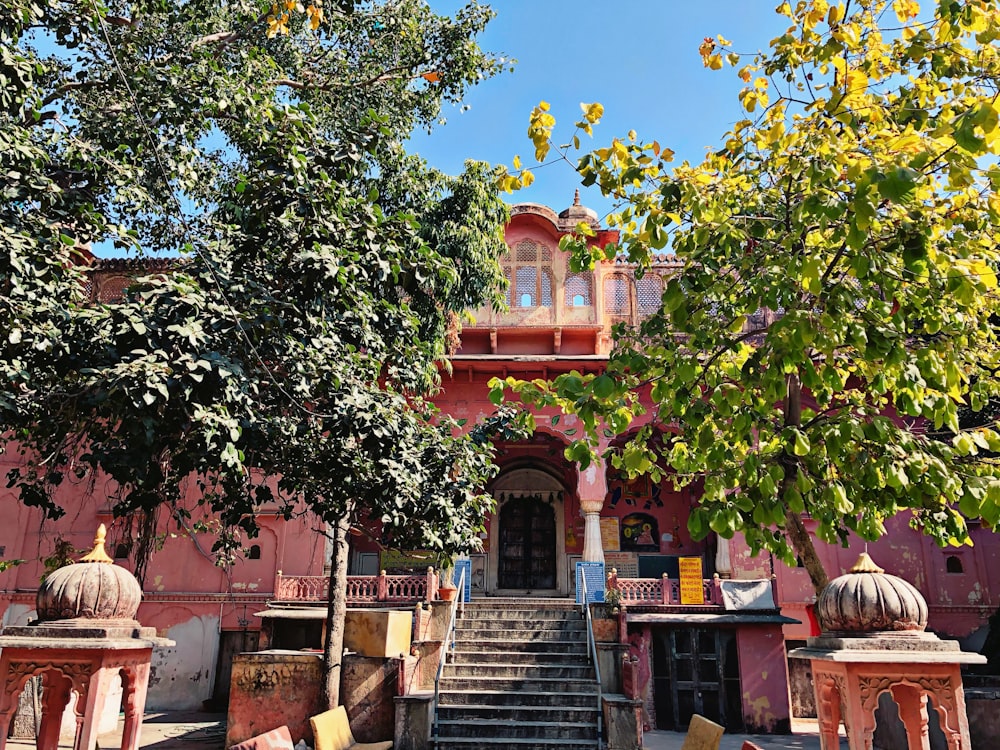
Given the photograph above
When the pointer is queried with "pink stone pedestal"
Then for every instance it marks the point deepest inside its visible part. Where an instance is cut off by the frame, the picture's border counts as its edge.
(81, 657)
(918, 670)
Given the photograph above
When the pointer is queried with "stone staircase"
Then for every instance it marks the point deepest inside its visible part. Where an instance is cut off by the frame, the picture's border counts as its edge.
(520, 677)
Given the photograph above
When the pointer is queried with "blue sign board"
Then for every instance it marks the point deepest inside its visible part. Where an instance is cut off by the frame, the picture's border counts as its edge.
(465, 565)
(593, 573)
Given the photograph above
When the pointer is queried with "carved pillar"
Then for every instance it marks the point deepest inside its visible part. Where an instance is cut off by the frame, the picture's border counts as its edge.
(913, 713)
(136, 680)
(827, 709)
(55, 696)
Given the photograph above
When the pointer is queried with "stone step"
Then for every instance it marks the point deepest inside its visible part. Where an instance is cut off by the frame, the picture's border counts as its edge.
(507, 634)
(521, 602)
(520, 712)
(484, 613)
(502, 743)
(520, 623)
(542, 730)
(501, 670)
(498, 697)
(517, 684)
(464, 655)
(537, 646)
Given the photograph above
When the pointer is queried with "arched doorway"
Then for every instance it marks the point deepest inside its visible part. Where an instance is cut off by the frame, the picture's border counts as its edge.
(527, 546)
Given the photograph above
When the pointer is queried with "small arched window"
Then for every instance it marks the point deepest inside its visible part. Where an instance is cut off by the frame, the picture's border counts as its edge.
(954, 564)
(254, 553)
(528, 268)
(579, 290)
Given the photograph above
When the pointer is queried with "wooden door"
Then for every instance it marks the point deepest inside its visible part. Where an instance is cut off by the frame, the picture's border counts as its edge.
(231, 642)
(527, 544)
(695, 671)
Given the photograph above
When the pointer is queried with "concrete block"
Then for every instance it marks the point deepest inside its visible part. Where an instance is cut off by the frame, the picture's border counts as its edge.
(702, 734)
(381, 633)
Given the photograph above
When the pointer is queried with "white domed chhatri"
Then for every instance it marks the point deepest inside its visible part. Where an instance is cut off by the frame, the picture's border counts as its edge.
(92, 589)
(868, 601)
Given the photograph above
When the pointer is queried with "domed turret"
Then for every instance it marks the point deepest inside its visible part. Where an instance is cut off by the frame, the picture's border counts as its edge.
(92, 589)
(570, 217)
(867, 601)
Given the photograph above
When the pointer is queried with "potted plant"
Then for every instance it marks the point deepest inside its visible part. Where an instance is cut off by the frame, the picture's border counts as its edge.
(446, 580)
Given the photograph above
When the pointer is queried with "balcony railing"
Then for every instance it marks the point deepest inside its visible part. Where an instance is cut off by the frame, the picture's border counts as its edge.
(660, 591)
(383, 588)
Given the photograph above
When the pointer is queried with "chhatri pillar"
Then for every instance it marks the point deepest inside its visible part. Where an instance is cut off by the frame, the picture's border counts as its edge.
(86, 635)
(873, 642)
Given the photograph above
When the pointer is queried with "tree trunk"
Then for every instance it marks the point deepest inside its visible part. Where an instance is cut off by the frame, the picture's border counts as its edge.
(336, 611)
(798, 535)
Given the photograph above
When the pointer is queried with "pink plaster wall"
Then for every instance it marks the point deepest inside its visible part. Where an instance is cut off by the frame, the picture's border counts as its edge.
(763, 679)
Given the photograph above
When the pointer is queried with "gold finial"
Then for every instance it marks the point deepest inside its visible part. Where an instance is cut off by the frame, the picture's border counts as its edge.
(865, 565)
(98, 555)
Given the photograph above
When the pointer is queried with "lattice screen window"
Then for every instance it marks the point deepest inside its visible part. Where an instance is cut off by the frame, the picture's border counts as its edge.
(579, 290)
(649, 294)
(528, 271)
(112, 289)
(617, 295)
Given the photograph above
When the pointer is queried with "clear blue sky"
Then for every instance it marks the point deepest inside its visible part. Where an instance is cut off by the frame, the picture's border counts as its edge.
(639, 58)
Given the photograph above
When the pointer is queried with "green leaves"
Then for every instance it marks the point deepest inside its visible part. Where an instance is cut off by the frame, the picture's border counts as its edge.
(829, 337)
(899, 185)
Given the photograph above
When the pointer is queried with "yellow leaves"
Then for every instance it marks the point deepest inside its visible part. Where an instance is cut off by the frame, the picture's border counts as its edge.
(835, 15)
(815, 13)
(853, 81)
(906, 9)
(315, 15)
(540, 128)
(980, 270)
(592, 113)
(709, 57)
(784, 10)
(277, 23)
(907, 142)
(848, 34)
(280, 16)
(746, 73)
(750, 98)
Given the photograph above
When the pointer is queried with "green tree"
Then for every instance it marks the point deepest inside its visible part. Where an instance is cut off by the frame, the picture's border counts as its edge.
(834, 308)
(321, 267)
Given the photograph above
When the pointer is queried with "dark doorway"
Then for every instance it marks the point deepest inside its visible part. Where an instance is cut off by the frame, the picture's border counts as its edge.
(231, 642)
(527, 544)
(696, 671)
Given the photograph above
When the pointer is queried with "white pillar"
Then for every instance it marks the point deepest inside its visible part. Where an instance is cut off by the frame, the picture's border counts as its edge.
(723, 565)
(593, 548)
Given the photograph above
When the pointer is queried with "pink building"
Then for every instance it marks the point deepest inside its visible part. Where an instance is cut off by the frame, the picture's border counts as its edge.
(724, 659)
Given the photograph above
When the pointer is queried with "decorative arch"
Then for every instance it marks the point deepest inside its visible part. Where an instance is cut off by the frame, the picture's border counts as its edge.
(528, 269)
(535, 492)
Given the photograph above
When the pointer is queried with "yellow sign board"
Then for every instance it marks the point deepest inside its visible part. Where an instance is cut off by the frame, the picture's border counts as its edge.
(609, 535)
(692, 590)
